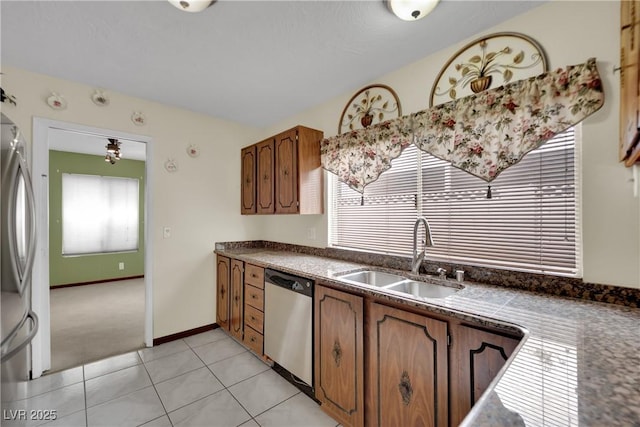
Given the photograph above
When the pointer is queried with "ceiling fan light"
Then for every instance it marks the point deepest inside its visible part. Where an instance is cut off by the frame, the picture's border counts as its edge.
(411, 10)
(192, 5)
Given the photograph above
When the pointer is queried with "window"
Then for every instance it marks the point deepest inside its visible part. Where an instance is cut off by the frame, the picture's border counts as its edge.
(529, 223)
(99, 214)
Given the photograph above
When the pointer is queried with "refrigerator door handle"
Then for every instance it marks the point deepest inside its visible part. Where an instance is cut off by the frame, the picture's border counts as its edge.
(32, 333)
(30, 199)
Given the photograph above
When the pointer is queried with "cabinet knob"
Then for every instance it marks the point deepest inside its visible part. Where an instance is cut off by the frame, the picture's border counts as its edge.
(265, 177)
(285, 172)
(253, 339)
(254, 296)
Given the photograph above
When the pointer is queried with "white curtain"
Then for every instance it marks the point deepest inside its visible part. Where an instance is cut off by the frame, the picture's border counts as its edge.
(100, 214)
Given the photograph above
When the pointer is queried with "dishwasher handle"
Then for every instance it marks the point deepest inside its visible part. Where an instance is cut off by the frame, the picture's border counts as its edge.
(292, 283)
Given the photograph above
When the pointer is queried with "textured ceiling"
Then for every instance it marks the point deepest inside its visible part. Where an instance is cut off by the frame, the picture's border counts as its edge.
(253, 62)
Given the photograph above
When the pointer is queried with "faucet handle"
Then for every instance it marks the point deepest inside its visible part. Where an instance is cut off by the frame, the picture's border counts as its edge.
(442, 273)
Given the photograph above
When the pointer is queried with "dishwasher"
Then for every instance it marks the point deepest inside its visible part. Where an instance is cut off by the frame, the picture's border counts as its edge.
(288, 325)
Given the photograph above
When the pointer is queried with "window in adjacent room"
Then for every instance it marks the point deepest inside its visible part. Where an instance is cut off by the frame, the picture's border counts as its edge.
(100, 214)
(530, 222)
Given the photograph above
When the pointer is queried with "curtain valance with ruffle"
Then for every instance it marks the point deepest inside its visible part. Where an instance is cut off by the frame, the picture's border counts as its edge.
(482, 134)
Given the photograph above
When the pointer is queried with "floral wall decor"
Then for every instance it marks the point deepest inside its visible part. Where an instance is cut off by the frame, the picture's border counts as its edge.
(371, 104)
(488, 62)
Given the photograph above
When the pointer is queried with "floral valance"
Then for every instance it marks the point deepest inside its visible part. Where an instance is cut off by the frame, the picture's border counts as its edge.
(360, 156)
(482, 134)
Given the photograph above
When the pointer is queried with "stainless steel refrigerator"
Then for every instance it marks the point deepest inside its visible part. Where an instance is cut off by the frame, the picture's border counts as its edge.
(19, 323)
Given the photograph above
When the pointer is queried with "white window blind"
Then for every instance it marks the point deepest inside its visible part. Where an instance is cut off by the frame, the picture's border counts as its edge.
(529, 223)
(100, 214)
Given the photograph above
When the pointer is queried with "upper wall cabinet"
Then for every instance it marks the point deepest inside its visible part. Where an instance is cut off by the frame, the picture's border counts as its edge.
(283, 174)
(248, 196)
(629, 89)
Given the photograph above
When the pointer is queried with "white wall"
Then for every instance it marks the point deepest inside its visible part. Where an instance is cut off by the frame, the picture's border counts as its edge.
(200, 202)
(570, 32)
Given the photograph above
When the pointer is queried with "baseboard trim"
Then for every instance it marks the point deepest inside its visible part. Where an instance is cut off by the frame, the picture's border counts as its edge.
(71, 285)
(184, 334)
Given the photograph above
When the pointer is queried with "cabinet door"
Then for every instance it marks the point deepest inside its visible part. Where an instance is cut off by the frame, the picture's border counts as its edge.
(265, 180)
(339, 359)
(237, 304)
(248, 185)
(476, 358)
(222, 292)
(407, 375)
(286, 153)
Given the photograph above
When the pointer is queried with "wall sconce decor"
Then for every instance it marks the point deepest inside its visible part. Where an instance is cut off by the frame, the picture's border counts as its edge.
(411, 10)
(192, 5)
(113, 151)
(497, 58)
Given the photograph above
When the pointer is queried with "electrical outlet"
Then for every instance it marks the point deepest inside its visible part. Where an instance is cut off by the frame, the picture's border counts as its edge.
(121, 266)
(166, 232)
(311, 233)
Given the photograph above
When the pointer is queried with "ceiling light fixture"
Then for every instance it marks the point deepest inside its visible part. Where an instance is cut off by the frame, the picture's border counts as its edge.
(192, 5)
(411, 10)
(113, 151)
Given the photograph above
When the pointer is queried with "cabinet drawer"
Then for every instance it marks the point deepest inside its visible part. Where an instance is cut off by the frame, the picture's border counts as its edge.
(254, 276)
(253, 340)
(253, 318)
(254, 297)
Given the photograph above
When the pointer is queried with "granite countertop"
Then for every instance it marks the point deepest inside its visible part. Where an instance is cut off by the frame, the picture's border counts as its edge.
(579, 363)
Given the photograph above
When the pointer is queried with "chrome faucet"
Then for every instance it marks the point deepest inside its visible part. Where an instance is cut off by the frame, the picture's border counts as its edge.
(428, 241)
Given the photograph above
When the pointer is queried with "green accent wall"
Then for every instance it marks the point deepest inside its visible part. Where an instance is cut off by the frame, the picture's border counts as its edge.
(94, 267)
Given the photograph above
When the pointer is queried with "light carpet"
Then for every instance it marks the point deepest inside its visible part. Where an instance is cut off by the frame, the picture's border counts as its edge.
(92, 322)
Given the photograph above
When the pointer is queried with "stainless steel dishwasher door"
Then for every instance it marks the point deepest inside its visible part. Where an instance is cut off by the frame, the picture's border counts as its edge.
(288, 321)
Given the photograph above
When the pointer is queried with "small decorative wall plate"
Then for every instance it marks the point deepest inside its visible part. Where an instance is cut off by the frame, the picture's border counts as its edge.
(57, 102)
(193, 150)
(371, 104)
(171, 165)
(100, 98)
(138, 118)
(486, 63)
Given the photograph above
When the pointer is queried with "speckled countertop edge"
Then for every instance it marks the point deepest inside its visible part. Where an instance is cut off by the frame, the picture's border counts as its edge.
(540, 316)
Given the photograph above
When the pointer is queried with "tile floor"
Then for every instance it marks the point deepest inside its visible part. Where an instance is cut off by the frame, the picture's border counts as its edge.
(203, 380)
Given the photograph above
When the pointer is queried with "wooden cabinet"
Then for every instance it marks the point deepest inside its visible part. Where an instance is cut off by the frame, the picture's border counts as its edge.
(629, 87)
(286, 179)
(222, 291)
(254, 308)
(407, 368)
(288, 174)
(265, 184)
(476, 358)
(248, 170)
(339, 358)
(237, 300)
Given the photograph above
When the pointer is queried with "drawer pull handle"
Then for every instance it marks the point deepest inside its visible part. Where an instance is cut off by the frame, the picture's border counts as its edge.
(253, 339)
(253, 318)
(254, 275)
(254, 296)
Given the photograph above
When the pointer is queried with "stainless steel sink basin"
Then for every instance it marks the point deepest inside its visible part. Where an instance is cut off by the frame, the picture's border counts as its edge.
(373, 278)
(422, 289)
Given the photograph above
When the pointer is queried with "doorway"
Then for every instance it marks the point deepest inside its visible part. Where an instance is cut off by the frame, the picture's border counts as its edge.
(57, 137)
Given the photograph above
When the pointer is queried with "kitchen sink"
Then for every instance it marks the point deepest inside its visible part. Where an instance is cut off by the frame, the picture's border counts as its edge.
(373, 278)
(422, 289)
(397, 283)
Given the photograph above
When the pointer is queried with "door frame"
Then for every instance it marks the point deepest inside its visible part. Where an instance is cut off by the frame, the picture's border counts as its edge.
(41, 344)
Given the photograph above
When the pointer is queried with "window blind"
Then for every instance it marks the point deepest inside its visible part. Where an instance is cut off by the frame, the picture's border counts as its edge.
(529, 223)
(100, 214)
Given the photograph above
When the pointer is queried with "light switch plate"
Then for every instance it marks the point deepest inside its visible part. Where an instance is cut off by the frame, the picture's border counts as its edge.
(166, 232)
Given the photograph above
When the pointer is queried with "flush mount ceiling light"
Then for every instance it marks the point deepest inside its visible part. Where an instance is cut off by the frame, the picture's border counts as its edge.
(192, 5)
(411, 10)
(113, 151)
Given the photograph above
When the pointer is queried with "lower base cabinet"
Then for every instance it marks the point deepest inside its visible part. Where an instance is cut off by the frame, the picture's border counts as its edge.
(476, 358)
(407, 375)
(339, 371)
